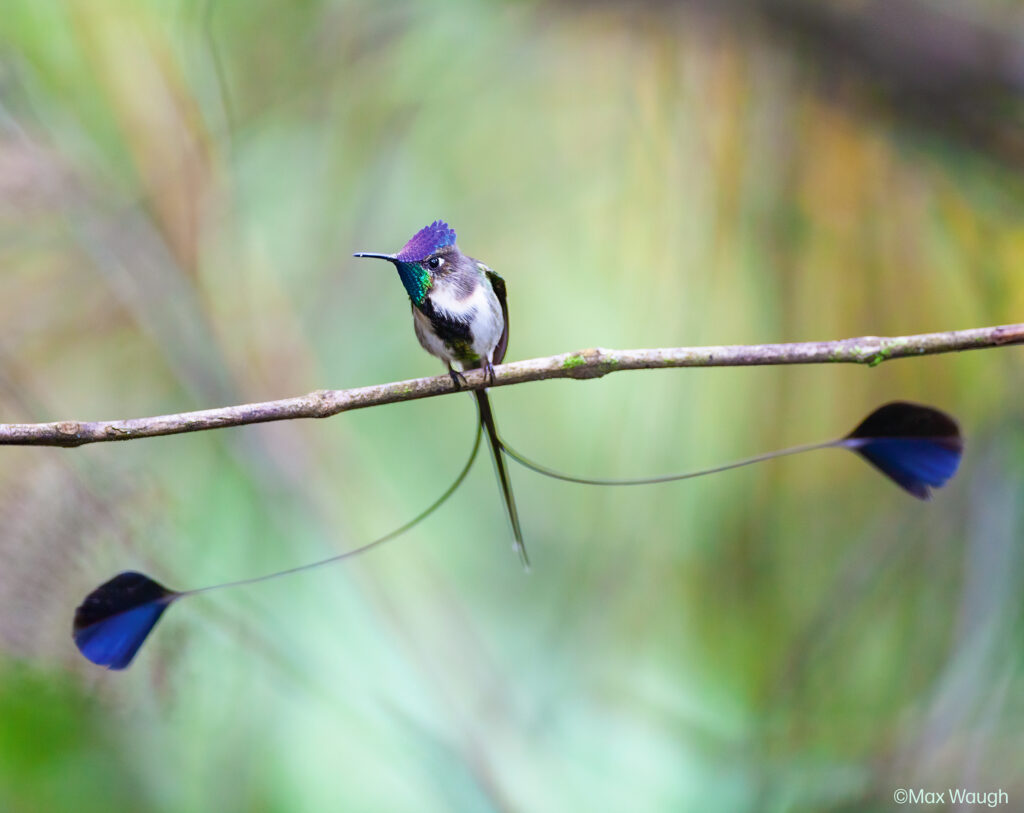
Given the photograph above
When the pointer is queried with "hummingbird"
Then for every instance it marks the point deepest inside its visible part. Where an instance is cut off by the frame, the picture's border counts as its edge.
(460, 315)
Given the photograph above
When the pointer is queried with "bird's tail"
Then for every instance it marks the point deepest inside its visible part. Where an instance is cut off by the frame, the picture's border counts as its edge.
(487, 422)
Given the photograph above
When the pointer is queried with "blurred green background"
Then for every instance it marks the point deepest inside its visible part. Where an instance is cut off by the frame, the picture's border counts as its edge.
(181, 187)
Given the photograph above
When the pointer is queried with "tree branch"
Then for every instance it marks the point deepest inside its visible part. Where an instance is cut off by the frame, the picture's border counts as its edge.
(593, 363)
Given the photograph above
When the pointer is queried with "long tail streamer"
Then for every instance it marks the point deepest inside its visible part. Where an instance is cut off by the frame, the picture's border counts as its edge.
(917, 447)
(497, 453)
(114, 620)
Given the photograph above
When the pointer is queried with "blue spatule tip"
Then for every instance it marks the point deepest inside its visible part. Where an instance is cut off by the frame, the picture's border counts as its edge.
(917, 447)
(115, 619)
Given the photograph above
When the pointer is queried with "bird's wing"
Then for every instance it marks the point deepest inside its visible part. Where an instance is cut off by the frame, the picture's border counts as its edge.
(498, 284)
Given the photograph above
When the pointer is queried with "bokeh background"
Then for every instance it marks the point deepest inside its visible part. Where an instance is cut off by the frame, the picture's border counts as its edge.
(181, 187)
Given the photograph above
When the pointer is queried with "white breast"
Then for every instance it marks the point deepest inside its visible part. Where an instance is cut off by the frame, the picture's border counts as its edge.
(481, 310)
(445, 300)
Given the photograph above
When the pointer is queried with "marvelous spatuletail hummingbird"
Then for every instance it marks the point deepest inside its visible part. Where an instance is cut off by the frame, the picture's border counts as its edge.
(460, 315)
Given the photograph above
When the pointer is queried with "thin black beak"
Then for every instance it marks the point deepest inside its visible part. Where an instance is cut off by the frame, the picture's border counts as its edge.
(390, 257)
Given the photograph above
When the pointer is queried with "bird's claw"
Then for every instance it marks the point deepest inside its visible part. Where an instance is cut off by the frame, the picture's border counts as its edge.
(458, 379)
(488, 369)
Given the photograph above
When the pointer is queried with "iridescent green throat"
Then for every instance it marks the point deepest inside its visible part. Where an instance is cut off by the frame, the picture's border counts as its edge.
(416, 280)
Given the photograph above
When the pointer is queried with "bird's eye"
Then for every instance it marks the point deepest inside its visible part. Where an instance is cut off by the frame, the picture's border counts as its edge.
(435, 262)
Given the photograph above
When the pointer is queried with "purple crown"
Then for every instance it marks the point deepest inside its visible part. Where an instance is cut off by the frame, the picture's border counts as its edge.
(426, 241)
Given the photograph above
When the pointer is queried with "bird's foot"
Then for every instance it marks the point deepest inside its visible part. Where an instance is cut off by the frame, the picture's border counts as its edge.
(458, 379)
(488, 369)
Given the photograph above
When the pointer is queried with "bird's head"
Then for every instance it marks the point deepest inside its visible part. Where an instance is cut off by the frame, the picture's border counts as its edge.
(431, 252)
